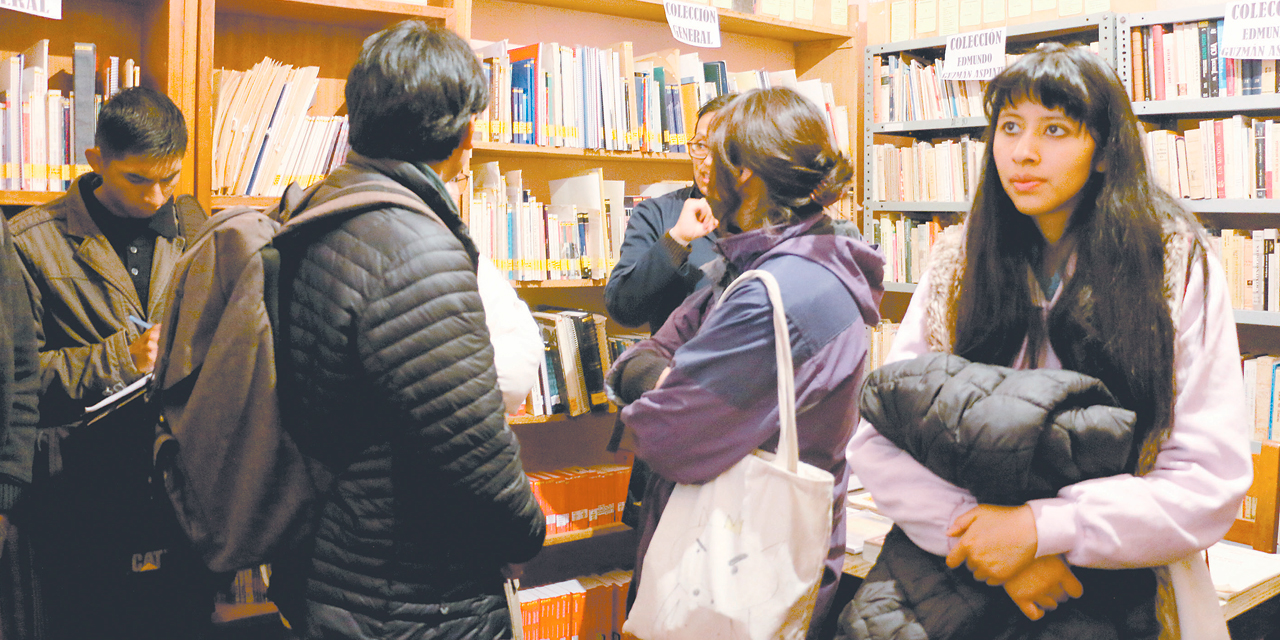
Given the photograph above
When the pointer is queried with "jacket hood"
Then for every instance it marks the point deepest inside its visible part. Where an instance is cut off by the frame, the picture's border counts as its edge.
(858, 265)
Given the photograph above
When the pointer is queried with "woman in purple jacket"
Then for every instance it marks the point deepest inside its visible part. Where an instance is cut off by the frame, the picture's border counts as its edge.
(702, 391)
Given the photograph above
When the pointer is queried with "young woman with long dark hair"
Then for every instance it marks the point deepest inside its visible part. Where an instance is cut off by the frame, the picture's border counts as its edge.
(1072, 259)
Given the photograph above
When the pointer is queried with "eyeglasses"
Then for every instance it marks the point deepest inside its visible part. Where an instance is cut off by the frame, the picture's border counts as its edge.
(698, 150)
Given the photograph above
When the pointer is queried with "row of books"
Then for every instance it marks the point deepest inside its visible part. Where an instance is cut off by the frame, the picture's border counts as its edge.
(44, 131)
(906, 244)
(899, 20)
(907, 87)
(581, 498)
(578, 235)
(584, 97)
(1260, 389)
(943, 171)
(587, 608)
(571, 378)
(264, 138)
(1235, 157)
(1251, 262)
(1183, 60)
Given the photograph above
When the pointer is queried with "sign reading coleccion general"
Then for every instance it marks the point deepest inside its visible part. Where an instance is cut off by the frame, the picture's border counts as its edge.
(695, 24)
(44, 8)
(1251, 30)
(976, 55)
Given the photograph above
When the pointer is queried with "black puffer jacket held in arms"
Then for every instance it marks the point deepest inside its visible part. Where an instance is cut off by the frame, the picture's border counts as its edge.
(1007, 436)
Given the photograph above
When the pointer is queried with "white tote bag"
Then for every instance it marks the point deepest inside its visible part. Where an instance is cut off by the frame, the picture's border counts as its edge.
(741, 556)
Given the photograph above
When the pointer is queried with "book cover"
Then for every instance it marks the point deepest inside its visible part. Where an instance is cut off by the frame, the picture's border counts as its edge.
(589, 352)
(1159, 59)
(570, 360)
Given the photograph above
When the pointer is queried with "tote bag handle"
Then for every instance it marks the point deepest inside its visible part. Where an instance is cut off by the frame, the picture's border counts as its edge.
(788, 456)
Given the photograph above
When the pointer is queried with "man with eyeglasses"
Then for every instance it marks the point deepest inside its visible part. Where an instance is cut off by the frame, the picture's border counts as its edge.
(668, 238)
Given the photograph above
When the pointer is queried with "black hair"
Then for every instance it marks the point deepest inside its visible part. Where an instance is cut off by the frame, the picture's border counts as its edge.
(715, 104)
(785, 140)
(141, 121)
(1118, 228)
(412, 92)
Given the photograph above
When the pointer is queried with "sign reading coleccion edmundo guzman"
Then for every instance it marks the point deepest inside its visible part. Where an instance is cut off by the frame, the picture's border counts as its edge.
(976, 55)
(694, 24)
(1251, 30)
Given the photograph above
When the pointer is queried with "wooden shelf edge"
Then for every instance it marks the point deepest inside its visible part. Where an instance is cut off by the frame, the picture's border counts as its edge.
(303, 8)
(27, 198)
(557, 284)
(535, 151)
(226, 612)
(595, 532)
(257, 202)
(730, 21)
(555, 417)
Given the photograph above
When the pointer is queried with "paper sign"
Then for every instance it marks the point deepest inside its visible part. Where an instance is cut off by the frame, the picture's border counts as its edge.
(977, 55)
(44, 8)
(695, 24)
(949, 17)
(1251, 30)
(970, 13)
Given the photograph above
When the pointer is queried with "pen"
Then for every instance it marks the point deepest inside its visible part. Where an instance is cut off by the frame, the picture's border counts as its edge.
(142, 324)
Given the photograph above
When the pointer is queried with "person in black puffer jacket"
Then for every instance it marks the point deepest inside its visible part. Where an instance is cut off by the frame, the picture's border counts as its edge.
(1007, 436)
(388, 376)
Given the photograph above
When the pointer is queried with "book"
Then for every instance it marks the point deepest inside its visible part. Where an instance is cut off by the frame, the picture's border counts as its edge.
(590, 353)
(570, 360)
(84, 62)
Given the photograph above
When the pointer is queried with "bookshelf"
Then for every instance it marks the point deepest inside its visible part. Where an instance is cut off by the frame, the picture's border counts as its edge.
(1099, 28)
(748, 42)
(157, 34)
(1259, 331)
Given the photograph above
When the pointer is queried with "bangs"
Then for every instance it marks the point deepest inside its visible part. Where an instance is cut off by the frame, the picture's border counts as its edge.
(1049, 77)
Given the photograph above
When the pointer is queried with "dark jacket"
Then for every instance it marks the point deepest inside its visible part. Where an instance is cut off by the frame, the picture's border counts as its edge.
(390, 382)
(719, 402)
(80, 297)
(654, 273)
(1007, 436)
(19, 373)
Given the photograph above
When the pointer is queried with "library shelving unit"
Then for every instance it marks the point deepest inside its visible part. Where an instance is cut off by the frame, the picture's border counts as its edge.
(154, 33)
(1259, 331)
(1089, 28)
(748, 42)
(236, 34)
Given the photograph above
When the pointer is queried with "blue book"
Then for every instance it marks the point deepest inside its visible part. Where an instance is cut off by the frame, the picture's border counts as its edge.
(1271, 406)
(522, 88)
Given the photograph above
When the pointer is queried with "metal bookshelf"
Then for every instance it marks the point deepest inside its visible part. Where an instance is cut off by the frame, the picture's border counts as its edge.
(1099, 27)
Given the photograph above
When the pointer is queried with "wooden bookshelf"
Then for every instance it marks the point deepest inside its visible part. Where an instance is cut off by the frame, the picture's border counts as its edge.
(594, 532)
(492, 150)
(558, 284)
(555, 417)
(27, 198)
(730, 21)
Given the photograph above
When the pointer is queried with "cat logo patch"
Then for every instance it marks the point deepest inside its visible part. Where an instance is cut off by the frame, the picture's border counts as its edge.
(149, 561)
